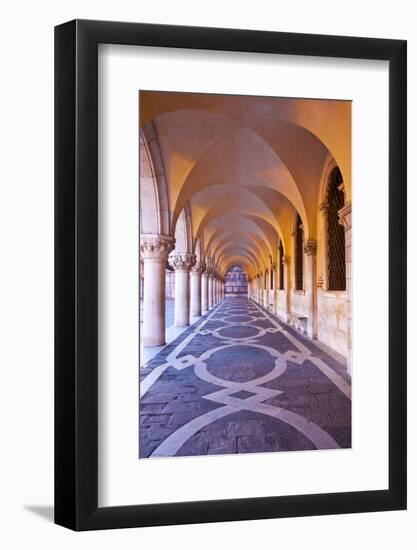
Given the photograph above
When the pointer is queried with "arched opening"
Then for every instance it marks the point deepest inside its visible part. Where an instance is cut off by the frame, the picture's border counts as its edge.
(335, 233)
(281, 266)
(299, 239)
(236, 282)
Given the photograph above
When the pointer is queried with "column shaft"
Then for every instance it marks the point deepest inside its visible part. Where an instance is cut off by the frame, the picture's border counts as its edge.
(195, 289)
(287, 286)
(153, 302)
(182, 298)
(204, 293)
(210, 292)
(310, 249)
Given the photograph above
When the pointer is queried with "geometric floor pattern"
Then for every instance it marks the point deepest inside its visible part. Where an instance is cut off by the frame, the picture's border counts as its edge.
(241, 381)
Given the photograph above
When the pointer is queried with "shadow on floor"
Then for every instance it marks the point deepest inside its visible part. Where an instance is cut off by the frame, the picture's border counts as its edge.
(45, 512)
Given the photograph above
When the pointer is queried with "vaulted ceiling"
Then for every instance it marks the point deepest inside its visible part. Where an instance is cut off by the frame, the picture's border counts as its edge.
(242, 166)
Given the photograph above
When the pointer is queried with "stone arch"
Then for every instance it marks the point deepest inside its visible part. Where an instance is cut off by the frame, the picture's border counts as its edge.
(154, 214)
(183, 232)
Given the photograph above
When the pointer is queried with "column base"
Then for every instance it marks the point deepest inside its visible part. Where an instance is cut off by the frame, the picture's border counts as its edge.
(153, 341)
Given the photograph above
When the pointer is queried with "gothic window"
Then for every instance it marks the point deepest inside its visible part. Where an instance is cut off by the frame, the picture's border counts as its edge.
(281, 266)
(336, 233)
(299, 279)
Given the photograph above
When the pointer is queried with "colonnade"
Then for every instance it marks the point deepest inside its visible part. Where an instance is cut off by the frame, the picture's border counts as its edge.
(279, 299)
(198, 288)
(286, 301)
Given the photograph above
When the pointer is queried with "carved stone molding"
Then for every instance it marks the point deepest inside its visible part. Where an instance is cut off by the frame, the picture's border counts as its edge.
(310, 247)
(156, 247)
(198, 268)
(212, 275)
(345, 216)
(285, 260)
(182, 262)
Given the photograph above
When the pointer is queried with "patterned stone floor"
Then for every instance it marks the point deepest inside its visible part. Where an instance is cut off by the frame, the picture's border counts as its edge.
(240, 381)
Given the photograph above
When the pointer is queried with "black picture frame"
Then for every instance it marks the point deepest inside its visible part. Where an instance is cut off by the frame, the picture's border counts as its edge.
(76, 272)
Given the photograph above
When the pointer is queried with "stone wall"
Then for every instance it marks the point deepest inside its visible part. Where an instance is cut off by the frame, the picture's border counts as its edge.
(299, 303)
(282, 314)
(332, 320)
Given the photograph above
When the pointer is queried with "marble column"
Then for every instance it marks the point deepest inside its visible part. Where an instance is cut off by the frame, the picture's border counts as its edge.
(182, 263)
(195, 288)
(213, 290)
(204, 292)
(259, 293)
(154, 250)
(310, 250)
(345, 218)
(274, 289)
(210, 290)
(286, 260)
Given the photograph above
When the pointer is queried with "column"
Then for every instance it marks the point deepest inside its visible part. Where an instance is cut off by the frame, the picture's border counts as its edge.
(182, 264)
(310, 249)
(204, 292)
(275, 289)
(259, 292)
(210, 290)
(141, 269)
(286, 260)
(172, 284)
(195, 288)
(213, 289)
(345, 218)
(154, 250)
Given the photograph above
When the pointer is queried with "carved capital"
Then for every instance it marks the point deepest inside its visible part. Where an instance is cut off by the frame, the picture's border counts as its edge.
(273, 267)
(212, 275)
(182, 262)
(156, 247)
(324, 208)
(285, 260)
(198, 268)
(345, 216)
(310, 247)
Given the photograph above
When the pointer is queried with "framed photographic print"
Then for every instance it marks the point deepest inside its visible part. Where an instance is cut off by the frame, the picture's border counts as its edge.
(230, 275)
